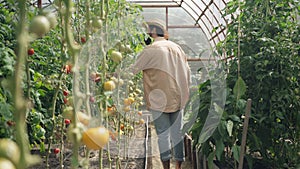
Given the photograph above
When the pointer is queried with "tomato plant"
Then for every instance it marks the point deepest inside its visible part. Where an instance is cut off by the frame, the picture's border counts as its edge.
(47, 83)
(7, 61)
(265, 67)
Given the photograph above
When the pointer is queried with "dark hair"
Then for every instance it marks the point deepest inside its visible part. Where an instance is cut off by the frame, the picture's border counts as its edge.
(159, 30)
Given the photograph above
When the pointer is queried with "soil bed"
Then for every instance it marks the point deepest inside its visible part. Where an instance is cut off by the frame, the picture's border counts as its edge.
(133, 158)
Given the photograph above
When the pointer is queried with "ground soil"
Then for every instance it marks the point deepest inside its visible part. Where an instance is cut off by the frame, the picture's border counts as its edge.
(134, 159)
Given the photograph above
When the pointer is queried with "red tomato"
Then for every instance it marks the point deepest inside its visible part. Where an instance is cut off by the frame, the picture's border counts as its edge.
(122, 126)
(68, 69)
(30, 51)
(10, 123)
(83, 40)
(56, 150)
(65, 100)
(67, 121)
(92, 99)
(66, 92)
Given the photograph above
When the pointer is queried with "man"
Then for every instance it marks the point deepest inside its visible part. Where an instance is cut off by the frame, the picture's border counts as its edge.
(166, 87)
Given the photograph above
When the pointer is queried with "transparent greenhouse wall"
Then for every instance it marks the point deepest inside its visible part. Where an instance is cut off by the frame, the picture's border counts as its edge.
(193, 40)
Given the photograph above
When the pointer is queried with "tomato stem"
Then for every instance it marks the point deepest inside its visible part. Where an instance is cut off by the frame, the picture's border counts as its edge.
(74, 50)
(100, 158)
(20, 103)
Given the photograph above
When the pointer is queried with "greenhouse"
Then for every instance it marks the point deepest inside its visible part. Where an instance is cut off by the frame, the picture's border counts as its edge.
(149, 84)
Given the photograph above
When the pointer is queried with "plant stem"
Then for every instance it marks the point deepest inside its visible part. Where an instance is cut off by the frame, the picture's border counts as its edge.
(61, 155)
(87, 17)
(74, 50)
(50, 140)
(28, 78)
(20, 103)
(100, 158)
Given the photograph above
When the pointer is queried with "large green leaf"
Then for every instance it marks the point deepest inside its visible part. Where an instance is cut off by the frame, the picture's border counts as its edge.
(211, 123)
(239, 88)
(219, 148)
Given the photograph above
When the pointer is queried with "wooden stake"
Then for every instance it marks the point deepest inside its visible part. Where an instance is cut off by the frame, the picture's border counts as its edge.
(244, 135)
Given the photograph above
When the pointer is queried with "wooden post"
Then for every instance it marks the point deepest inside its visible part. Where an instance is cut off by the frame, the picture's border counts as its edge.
(244, 135)
(39, 4)
(188, 147)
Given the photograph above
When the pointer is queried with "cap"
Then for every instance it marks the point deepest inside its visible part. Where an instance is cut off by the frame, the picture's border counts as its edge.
(159, 23)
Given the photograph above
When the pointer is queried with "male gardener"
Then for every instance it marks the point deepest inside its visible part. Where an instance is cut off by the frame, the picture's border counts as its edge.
(166, 78)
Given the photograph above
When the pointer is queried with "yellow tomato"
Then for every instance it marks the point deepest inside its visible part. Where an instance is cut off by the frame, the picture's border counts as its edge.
(109, 85)
(140, 113)
(126, 108)
(138, 91)
(131, 99)
(127, 102)
(95, 138)
(142, 121)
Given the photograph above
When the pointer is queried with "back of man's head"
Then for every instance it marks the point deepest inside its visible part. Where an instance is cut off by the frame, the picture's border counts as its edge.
(157, 30)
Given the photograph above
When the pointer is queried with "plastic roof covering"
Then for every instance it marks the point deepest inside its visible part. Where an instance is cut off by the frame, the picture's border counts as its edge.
(203, 14)
(206, 15)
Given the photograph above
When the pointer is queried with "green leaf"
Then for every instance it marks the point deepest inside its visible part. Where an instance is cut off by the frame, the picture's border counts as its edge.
(239, 88)
(5, 110)
(236, 152)
(211, 123)
(210, 160)
(219, 148)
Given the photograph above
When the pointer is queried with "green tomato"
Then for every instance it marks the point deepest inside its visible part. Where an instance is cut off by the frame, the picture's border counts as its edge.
(68, 112)
(40, 25)
(10, 150)
(97, 23)
(116, 56)
(6, 164)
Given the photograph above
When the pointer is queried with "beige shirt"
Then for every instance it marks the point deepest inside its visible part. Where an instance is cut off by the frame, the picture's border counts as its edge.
(166, 75)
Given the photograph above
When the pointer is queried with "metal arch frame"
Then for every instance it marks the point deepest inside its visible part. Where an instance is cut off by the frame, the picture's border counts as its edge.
(202, 21)
(201, 18)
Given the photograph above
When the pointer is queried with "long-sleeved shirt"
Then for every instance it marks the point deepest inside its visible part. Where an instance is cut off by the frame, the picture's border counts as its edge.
(166, 75)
